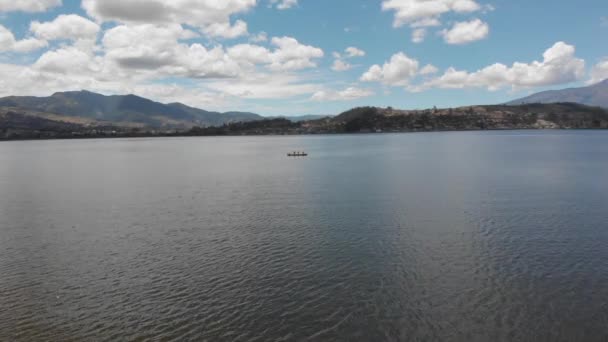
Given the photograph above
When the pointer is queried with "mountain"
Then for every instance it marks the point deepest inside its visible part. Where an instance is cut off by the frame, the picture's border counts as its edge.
(122, 110)
(594, 95)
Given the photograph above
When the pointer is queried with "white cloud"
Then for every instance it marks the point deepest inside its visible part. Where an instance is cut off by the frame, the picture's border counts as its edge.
(156, 48)
(259, 38)
(426, 22)
(212, 16)
(28, 5)
(559, 66)
(420, 11)
(291, 55)
(420, 14)
(161, 50)
(140, 58)
(7, 39)
(70, 68)
(288, 55)
(352, 52)
(249, 55)
(226, 30)
(196, 96)
(61, 70)
(466, 32)
(265, 86)
(340, 65)
(28, 45)
(67, 60)
(599, 72)
(418, 35)
(284, 4)
(399, 71)
(71, 27)
(429, 69)
(192, 12)
(9, 43)
(348, 94)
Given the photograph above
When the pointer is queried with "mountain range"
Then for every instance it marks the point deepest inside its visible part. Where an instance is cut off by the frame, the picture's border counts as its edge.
(85, 107)
(83, 112)
(595, 95)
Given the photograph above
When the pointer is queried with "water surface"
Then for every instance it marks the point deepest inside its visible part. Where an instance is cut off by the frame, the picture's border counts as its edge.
(471, 236)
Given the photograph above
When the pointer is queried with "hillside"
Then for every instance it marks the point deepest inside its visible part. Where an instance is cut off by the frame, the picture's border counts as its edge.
(594, 95)
(127, 110)
(19, 124)
(533, 116)
(386, 120)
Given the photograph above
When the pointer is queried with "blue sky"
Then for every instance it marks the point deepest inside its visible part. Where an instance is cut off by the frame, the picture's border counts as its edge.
(292, 57)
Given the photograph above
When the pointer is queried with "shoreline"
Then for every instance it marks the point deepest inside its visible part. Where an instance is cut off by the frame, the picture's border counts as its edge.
(185, 135)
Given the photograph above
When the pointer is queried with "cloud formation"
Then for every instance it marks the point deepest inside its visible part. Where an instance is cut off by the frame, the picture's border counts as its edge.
(398, 71)
(421, 11)
(291, 55)
(418, 35)
(69, 27)
(421, 14)
(8, 43)
(352, 51)
(211, 16)
(348, 94)
(559, 66)
(340, 63)
(466, 32)
(265, 85)
(284, 4)
(28, 5)
(599, 72)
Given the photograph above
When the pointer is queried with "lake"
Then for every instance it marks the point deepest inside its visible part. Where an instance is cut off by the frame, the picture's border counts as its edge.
(463, 236)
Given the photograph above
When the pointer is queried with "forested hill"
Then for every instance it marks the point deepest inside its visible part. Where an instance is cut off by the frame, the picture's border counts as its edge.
(558, 115)
(383, 120)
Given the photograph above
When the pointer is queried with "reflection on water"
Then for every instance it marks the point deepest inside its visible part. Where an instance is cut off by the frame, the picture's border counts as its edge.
(497, 236)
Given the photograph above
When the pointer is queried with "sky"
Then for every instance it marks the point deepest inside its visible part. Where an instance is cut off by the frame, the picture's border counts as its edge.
(297, 57)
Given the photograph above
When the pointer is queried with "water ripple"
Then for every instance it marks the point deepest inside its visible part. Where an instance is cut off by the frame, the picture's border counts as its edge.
(373, 238)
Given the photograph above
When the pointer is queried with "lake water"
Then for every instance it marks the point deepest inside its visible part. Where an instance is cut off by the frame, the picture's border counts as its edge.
(469, 236)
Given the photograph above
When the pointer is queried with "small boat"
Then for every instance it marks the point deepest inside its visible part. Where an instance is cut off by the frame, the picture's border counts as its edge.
(297, 154)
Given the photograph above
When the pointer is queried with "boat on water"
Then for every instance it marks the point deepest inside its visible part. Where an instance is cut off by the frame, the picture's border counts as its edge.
(297, 154)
